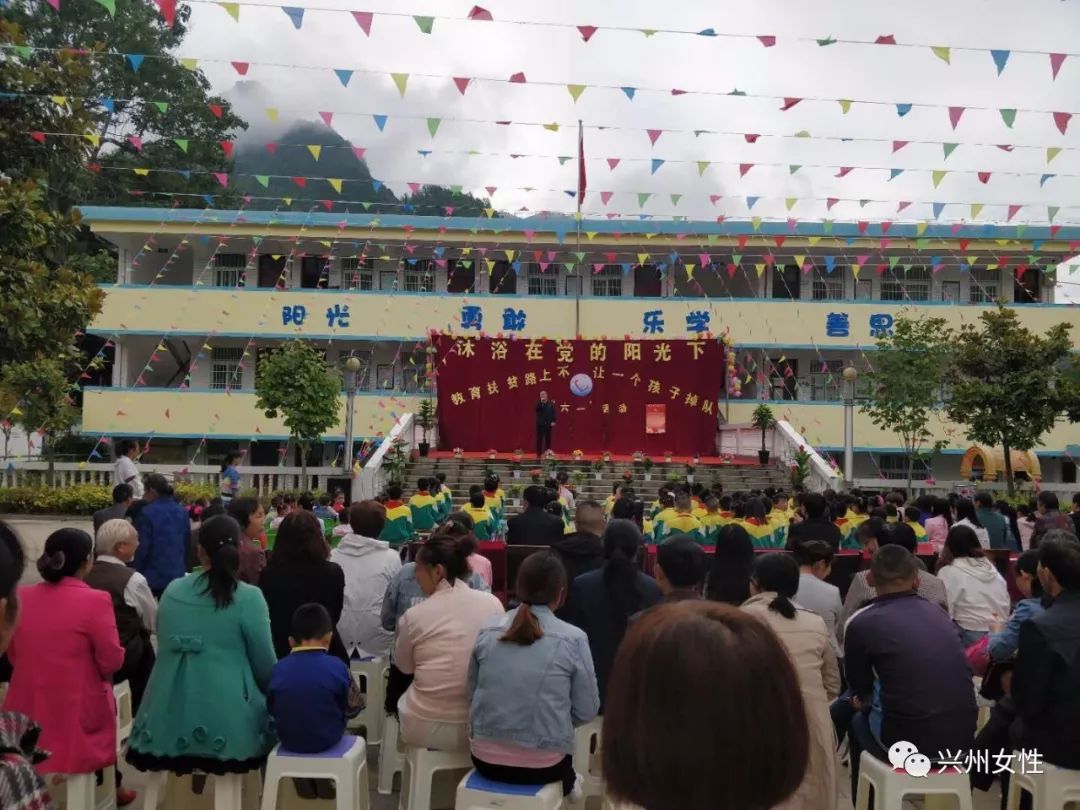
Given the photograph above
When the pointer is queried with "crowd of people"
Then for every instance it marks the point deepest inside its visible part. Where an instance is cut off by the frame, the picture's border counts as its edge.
(764, 666)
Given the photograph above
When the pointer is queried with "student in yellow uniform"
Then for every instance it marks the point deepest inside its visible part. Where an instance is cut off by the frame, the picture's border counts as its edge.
(424, 507)
(492, 499)
(683, 521)
(665, 513)
(712, 520)
(658, 505)
(483, 521)
(398, 529)
(443, 495)
(911, 518)
(753, 519)
(779, 518)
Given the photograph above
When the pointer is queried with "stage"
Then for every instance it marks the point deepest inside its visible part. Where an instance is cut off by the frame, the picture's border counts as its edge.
(588, 458)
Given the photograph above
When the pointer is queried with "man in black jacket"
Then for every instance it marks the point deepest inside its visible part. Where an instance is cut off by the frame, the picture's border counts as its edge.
(545, 421)
(534, 526)
(583, 550)
(816, 525)
(1046, 681)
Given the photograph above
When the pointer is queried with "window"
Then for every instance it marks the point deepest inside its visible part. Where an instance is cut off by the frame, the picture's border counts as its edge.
(356, 274)
(363, 376)
(826, 380)
(229, 269)
(461, 276)
(864, 289)
(648, 283)
(543, 282)
(419, 277)
(912, 285)
(894, 467)
(828, 286)
(984, 285)
(314, 272)
(226, 372)
(786, 282)
(388, 280)
(414, 378)
(503, 279)
(783, 379)
(608, 282)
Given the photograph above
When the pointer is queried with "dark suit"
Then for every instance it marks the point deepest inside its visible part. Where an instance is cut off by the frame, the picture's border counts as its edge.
(117, 511)
(533, 527)
(545, 418)
(815, 529)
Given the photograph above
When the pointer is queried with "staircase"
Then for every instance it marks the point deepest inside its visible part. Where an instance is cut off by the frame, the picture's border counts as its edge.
(461, 474)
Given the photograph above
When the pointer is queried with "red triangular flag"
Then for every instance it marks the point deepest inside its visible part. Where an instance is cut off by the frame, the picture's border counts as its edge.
(167, 8)
(898, 145)
(715, 198)
(984, 177)
(741, 240)
(462, 83)
(518, 78)
(954, 115)
(216, 109)
(227, 148)
(1013, 211)
(478, 13)
(1056, 60)
(612, 163)
(844, 171)
(885, 39)
(885, 226)
(751, 138)
(491, 190)
(677, 92)
(779, 240)
(38, 136)
(789, 103)
(1061, 121)
(271, 147)
(587, 31)
(744, 168)
(363, 19)
(830, 202)
(241, 68)
(654, 135)
(300, 181)
(862, 226)
(768, 40)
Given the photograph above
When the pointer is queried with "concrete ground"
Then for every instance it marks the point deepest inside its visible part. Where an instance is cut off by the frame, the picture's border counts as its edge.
(33, 530)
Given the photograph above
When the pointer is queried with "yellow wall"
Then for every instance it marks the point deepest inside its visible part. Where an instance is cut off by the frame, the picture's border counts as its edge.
(118, 412)
(207, 311)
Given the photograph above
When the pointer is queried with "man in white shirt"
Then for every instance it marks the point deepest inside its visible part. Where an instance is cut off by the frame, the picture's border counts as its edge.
(125, 471)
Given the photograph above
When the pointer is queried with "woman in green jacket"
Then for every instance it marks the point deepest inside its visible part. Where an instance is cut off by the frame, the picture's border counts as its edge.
(205, 705)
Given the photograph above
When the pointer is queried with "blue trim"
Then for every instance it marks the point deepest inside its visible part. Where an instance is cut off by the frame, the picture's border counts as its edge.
(560, 225)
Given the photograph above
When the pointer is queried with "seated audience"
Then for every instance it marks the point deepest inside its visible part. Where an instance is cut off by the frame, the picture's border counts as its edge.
(21, 786)
(814, 559)
(443, 495)
(534, 526)
(875, 534)
(978, 595)
(369, 566)
(680, 568)
(1049, 517)
(911, 518)
(906, 669)
(460, 526)
(248, 512)
(938, 524)
(582, 550)
(285, 505)
(306, 502)
(565, 492)
(299, 573)
(434, 644)
(601, 602)
(399, 526)
(732, 565)
(991, 520)
(65, 651)
(1025, 520)
(966, 516)
(494, 499)
(325, 512)
(133, 605)
(682, 522)
(1005, 636)
(424, 507)
(712, 520)
(809, 643)
(122, 499)
(311, 690)
(483, 521)
(817, 524)
(531, 682)
(666, 754)
(343, 528)
(164, 531)
(205, 706)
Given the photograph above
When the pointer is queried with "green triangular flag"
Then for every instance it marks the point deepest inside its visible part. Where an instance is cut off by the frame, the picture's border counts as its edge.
(949, 148)
(1051, 211)
(826, 226)
(826, 41)
(702, 165)
(456, 189)
(892, 262)
(110, 6)
(845, 105)
(25, 51)
(401, 80)
(162, 106)
(1008, 116)
(675, 199)
(642, 198)
(580, 256)
(424, 23)
(937, 176)
(182, 143)
(563, 159)
(433, 125)
(794, 167)
(264, 180)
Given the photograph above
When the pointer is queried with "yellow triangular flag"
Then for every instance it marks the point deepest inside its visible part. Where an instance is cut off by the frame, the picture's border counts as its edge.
(575, 90)
(272, 113)
(335, 184)
(937, 176)
(490, 212)
(510, 255)
(755, 222)
(287, 200)
(401, 80)
(233, 9)
(59, 101)
(702, 165)
(93, 138)
(1052, 152)
(760, 268)
(845, 105)
(189, 63)
(920, 228)
(551, 127)
(141, 172)
(315, 150)
(790, 202)
(642, 258)
(689, 271)
(800, 261)
(972, 260)
(855, 270)
(590, 235)
(490, 265)
(813, 240)
(976, 209)
(942, 52)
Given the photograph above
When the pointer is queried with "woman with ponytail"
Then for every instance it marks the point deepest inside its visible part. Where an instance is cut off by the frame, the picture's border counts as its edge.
(601, 602)
(804, 635)
(532, 681)
(205, 707)
(64, 651)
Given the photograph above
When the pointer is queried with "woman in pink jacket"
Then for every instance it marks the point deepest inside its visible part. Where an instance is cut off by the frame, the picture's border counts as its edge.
(64, 652)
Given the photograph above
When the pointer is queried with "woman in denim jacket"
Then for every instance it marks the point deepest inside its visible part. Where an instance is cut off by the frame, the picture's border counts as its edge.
(1005, 637)
(531, 681)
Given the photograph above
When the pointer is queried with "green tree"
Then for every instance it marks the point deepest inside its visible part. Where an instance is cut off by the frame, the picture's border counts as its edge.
(910, 367)
(296, 383)
(44, 403)
(1010, 385)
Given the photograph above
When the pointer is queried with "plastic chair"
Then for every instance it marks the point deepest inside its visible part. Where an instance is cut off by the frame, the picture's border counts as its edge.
(890, 787)
(475, 792)
(345, 764)
(124, 715)
(371, 673)
(1051, 789)
(584, 738)
(228, 790)
(390, 756)
(79, 791)
(418, 773)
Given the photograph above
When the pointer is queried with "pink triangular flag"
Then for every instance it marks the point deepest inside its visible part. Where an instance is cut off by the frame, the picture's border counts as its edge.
(744, 168)
(612, 163)
(1013, 211)
(491, 190)
(845, 171)
(715, 198)
(136, 142)
(984, 177)
(271, 148)
(241, 68)
(705, 259)
(327, 117)
(478, 13)
(1061, 121)
(768, 40)
(830, 202)
(1056, 60)
(518, 78)
(954, 115)
(862, 226)
(885, 39)
(898, 145)
(462, 83)
(654, 135)
(363, 19)
(751, 137)
(885, 226)
(587, 31)
(902, 205)
(359, 152)
(414, 187)
(222, 178)
(789, 103)
(605, 197)
(1005, 147)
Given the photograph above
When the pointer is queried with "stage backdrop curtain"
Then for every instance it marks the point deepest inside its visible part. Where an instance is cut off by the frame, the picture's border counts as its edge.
(488, 389)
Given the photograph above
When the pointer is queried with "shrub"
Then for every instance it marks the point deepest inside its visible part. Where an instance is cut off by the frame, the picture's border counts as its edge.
(80, 499)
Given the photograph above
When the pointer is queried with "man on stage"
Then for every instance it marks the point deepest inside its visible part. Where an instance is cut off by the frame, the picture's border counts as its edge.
(545, 421)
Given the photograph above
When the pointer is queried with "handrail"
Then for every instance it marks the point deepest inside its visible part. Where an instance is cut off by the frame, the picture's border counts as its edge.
(787, 442)
(369, 482)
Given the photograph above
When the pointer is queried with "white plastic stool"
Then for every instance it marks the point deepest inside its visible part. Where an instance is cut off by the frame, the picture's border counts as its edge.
(371, 672)
(418, 773)
(1051, 789)
(228, 790)
(345, 764)
(477, 793)
(890, 787)
(80, 790)
(124, 715)
(390, 756)
(584, 737)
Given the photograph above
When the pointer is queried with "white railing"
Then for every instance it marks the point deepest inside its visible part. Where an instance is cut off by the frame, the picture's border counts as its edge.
(787, 442)
(370, 481)
(999, 488)
(740, 440)
(264, 480)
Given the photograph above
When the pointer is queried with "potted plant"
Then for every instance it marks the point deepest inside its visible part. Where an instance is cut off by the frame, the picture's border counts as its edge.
(579, 478)
(598, 469)
(537, 476)
(425, 418)
(647, 463)
(459, 454)
(492, 454)
(578, 455)
(800, 468)
(628, 476)
(519, 454)
(515, 494)
(763, 419)
(690, 473)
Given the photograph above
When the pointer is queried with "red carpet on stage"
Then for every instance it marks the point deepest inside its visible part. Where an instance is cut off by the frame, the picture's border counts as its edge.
(488, 388)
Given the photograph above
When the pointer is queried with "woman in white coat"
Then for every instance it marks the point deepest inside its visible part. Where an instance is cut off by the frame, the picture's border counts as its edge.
(978, 595)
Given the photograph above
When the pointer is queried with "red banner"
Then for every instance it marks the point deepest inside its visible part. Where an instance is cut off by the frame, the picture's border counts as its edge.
(602, 389)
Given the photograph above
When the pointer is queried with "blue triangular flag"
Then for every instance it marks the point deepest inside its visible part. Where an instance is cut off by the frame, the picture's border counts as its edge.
(108, 104)
(570, 193)
(1036, 244)
(439, 251)
(830, 264)
(626, 266)
(752, 201)
(629, 92)
(903, 109)
(661, 266)
(135, 60)
(1000, 59)
(1043, 179)
(295, 14)
(423, 152)
(707, 32)
(938, 208)
(560, 234)
(209, 199)
(408, 208)
(343, 75)
(185, 173)
(516, 266)
(894, 173)
(656, 164)
(380, 121)
(376, 184)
